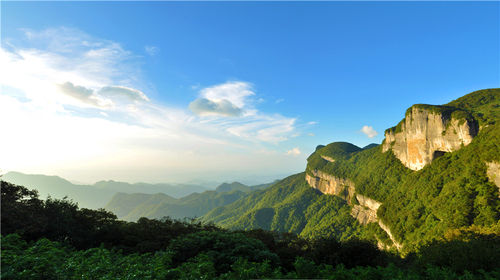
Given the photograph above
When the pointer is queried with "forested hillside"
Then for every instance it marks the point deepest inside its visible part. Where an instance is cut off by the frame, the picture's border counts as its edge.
(131, 207)
(54, 239)
(455, 192)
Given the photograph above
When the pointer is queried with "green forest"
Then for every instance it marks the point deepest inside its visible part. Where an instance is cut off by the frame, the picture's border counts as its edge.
(55, 239)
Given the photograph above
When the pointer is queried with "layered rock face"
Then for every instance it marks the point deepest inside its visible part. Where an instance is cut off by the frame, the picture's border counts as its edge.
(329, 184)
(493, 173)
(365, 212)
(426, 134)
(327, 158)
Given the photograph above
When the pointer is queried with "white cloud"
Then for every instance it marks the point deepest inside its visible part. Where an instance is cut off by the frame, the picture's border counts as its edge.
(294, 152)
(229, 99)
(369, 131)
(122, 91)
(312, 123)
(206, 107)
(83, 100)
(279, 100)
(151, 50)
(80, 93)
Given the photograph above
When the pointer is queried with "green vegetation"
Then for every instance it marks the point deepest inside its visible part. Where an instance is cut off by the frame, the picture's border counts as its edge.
(484, 105)
(72, 243)
(290, 205)
(453, 192)
(338, 150)
(447, 216)
(131, 207)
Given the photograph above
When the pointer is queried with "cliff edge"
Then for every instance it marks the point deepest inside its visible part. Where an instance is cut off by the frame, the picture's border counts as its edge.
(428, 132)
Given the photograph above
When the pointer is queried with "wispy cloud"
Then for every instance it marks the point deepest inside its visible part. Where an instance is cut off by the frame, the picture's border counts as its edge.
(151, 50)
(369, 131)
(228, 99)
(294, 152)
(87, 97)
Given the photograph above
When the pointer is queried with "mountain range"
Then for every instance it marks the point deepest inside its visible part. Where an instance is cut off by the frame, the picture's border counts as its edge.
(97, 195)
(435, 174)
(131, 207)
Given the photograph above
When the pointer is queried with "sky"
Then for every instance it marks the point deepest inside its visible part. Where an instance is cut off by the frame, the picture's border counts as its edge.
(223, 91)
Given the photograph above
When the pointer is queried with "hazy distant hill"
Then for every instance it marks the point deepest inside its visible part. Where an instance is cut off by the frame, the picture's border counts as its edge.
(237, 186)
(97, 195)
(131, 207)
(174, 190)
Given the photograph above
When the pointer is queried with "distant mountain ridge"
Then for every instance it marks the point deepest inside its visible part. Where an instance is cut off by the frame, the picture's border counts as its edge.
(97, 195)
(131, 207)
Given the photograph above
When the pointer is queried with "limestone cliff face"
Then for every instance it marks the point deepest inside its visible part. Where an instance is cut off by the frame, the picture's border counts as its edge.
(425, 134)
(329, 184)
(493, 173)
(365, 212)
(327, 158)
(388, 231)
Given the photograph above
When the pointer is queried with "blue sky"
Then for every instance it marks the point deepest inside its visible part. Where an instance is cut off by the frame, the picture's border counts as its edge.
(176, 91)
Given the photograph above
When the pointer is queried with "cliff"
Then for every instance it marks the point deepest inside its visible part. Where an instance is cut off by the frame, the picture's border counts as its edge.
(493, 172)
(329, 184)
(428, 132)
(364, 209)
(371, 186)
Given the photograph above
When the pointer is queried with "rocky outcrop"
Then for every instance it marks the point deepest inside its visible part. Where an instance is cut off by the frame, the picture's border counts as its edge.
(329, 184)
(428, 132)
(363, 215)
(493, 172)
(388, 231)
(368, 202)
(365, 212)
(327, 158)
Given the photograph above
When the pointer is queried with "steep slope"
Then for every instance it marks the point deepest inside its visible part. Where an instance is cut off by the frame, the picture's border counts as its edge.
(428, 132)
(450, 191)
(289, 206)
(404, 192)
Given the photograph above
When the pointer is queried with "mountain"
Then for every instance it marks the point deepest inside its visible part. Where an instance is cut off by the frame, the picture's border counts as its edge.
(435, 173)
(226, 187)
(174, 190)
(369, 146)
(289, 206)
(97, 195)
(131, 207)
